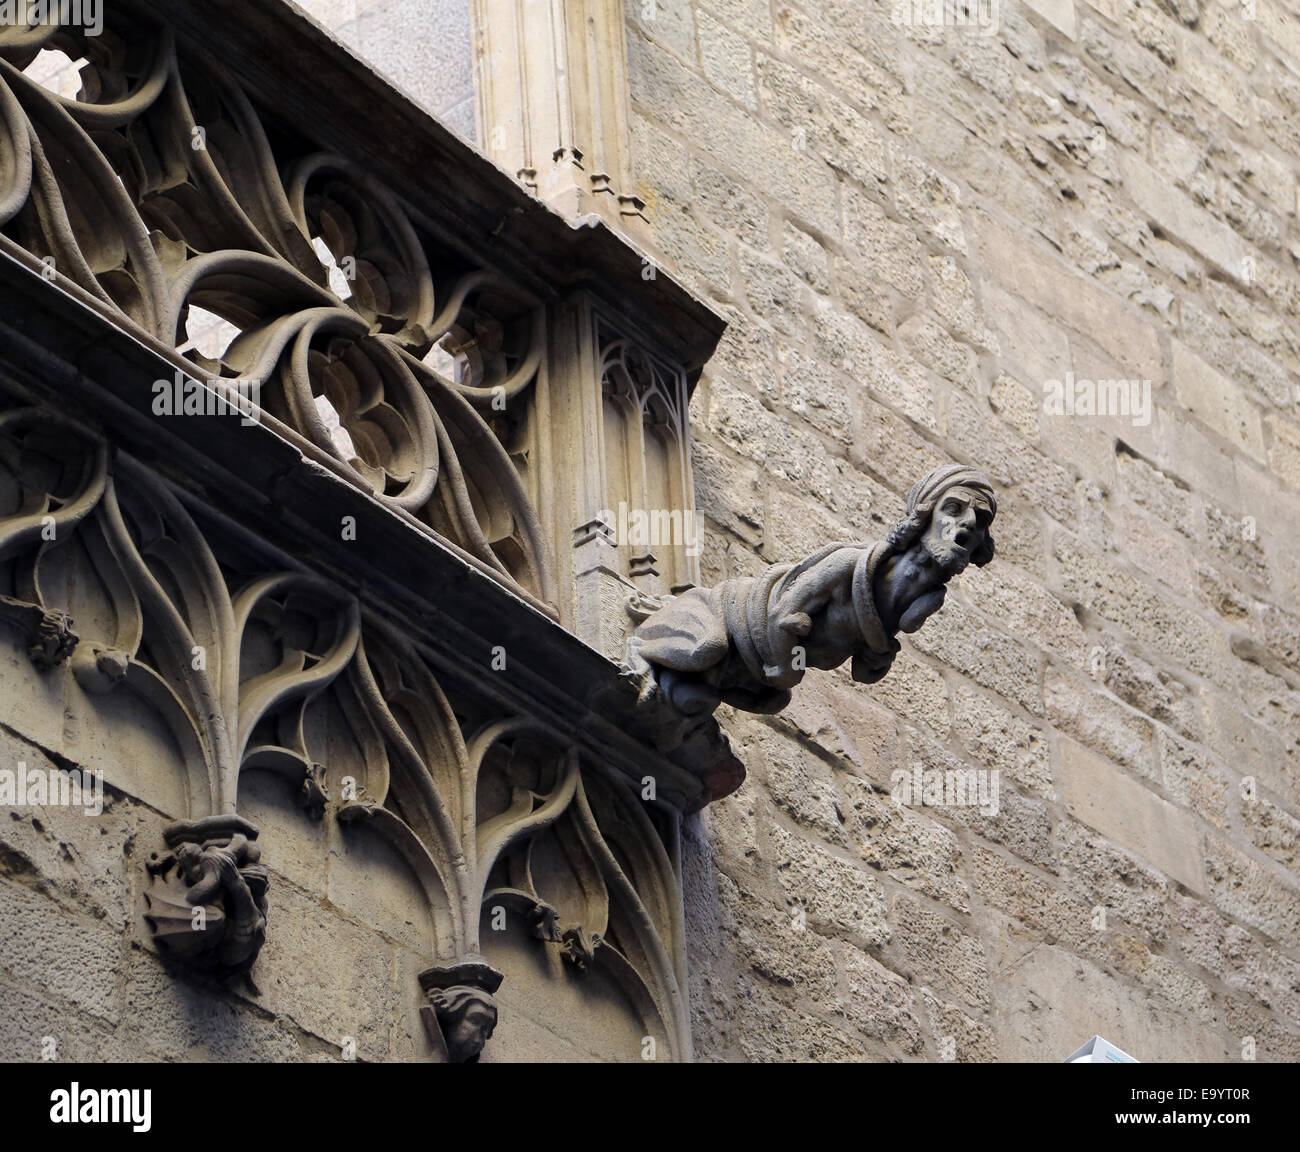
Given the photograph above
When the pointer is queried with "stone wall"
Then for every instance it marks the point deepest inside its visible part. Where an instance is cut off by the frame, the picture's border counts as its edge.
(423, 46)
(913, 230)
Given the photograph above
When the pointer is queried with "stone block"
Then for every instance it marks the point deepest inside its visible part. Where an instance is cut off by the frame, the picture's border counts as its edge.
(938, 954)
(69, 956)
(1252, 892)
(1036, 276)
(1217, 402)
(1052, 1002)
(881, 1004)
(906, 844)
(839, 898)
(1101, 796)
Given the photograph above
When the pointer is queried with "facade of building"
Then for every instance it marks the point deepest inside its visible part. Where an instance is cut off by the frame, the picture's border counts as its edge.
(369, 379)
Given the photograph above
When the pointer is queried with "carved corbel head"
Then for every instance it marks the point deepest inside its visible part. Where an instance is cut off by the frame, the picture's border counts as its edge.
(459, 1012)
(946, 527)
(206, 903)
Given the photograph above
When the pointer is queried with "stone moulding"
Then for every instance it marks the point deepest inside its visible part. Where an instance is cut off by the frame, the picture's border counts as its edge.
(198, 552)
(553, 99)
(257, 665)
(408, 369)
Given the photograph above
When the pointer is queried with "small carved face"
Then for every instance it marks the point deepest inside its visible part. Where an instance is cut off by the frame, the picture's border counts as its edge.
(468, 1020)
(958, 526)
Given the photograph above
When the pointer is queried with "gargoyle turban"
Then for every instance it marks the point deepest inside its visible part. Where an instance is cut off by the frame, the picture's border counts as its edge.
(926, 494)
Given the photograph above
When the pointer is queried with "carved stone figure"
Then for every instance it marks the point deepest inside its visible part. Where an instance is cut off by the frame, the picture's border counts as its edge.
(748, 641)
(212, 909)
(460, 1013)
(49, 633)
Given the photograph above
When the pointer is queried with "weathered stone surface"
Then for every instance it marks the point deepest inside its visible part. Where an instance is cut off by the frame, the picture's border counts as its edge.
(1217, 402)
(839, 898)
(938, 954)
(1097, 871)
(1056, 1001)
(1274, 831)
(1252, 892)
(1000, 739)
(881, 1004)
(177, 1020)
(776, 943)
(770, 1030)
(905, 843)
(957, 1036)
(799, 782)
(1191, 778)
(69, 956)
(987, 657)
(1076, 708)
(1099, 795)
(294, 984)
(1030, 273)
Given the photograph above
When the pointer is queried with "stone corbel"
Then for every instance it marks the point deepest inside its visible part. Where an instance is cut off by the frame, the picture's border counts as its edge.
(50, 638)
(206, 900)
(460, 1012)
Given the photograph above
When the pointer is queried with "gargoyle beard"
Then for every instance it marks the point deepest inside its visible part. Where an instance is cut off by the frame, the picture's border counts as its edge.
(949, 557)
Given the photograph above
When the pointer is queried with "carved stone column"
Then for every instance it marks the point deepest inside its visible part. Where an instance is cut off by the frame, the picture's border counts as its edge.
(553, 99)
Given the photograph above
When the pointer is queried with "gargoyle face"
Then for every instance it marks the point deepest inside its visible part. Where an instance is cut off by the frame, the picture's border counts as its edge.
(958, 528)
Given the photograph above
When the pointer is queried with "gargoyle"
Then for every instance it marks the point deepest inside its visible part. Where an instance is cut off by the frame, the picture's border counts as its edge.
(748, 641)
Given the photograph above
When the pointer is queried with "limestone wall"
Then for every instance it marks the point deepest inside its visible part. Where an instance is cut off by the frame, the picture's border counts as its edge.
(422, 46)
(912, 230)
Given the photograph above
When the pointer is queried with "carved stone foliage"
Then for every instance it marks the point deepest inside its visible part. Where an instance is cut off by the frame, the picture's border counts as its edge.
(162, 195)
(258, 665)
(749, 641)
